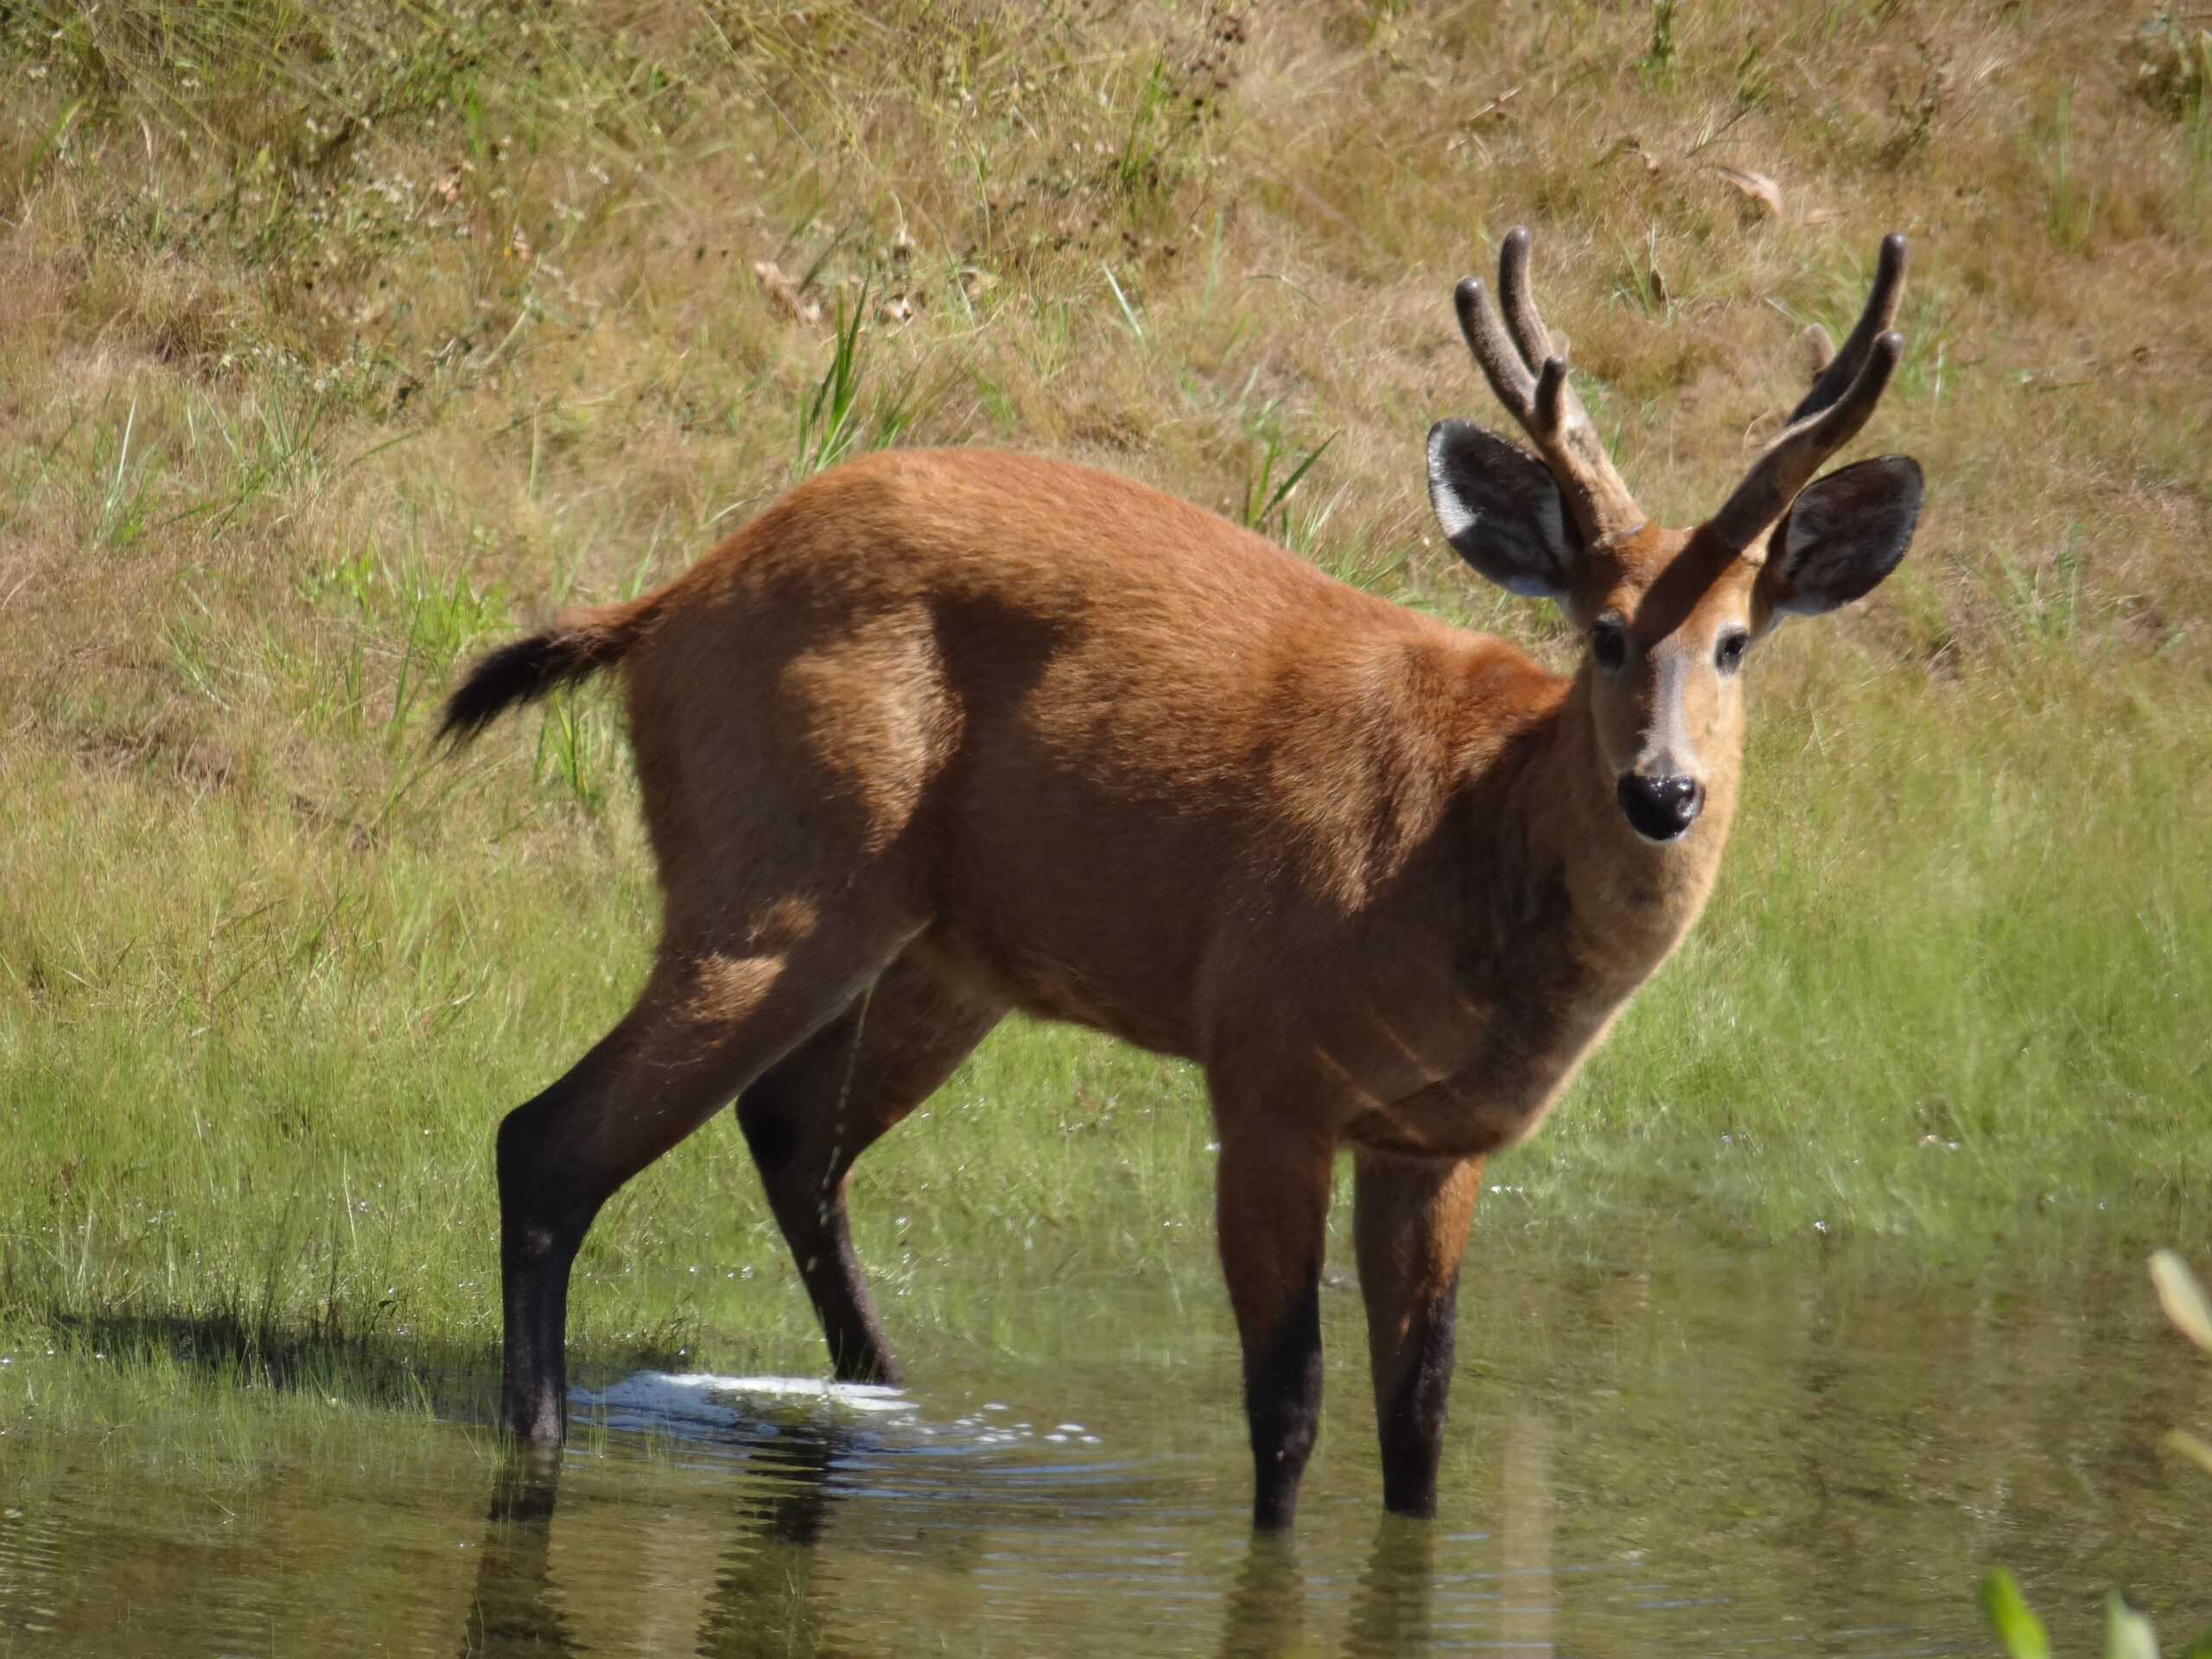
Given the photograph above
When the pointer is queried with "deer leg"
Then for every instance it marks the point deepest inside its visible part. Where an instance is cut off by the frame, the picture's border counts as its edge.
(812, 1114)
(706, 1025)
(1273, 1211)
(1409, 1224)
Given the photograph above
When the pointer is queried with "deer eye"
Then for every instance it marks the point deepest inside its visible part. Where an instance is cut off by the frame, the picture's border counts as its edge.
(1609, 643)
(1729, 657)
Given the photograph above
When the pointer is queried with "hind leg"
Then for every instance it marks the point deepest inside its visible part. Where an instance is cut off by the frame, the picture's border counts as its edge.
(707, 1023)
(812, 1114)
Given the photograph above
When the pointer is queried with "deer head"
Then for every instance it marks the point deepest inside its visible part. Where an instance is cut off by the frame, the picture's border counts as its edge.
(1667, 615)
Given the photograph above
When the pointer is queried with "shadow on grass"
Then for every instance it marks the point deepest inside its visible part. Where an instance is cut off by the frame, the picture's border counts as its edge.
(454, 1382)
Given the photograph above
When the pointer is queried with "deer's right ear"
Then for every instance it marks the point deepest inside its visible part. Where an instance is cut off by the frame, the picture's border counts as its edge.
(1499, 507)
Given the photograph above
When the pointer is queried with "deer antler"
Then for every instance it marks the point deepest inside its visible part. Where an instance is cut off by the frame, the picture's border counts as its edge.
(1845, 392)
(1529, 377)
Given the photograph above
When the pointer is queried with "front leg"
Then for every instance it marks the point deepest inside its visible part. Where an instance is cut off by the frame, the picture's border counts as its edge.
(1273, 1211)
(1409, 1224)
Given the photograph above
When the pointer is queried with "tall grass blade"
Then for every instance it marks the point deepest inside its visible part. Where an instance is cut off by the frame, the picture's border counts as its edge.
(1131, 318)
(829, 421)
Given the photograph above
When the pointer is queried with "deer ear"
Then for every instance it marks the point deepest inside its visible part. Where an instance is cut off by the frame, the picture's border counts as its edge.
(1500, 509)
(1843, 534)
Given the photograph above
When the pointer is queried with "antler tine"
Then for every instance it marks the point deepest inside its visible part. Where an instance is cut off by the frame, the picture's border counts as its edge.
(1790, 462)
(1514, 299)
(1844, 394)
(1530, 380)
(1552, 391)
(1841, 368)
(1497, 357)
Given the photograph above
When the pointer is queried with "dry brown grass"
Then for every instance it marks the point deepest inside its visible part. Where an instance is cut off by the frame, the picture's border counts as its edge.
(514, 293)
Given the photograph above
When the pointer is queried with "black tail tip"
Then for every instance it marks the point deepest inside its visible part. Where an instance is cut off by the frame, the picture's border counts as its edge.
(516, 673)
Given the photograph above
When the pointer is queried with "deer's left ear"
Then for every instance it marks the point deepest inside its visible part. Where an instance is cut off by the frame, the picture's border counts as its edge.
(1842, 535)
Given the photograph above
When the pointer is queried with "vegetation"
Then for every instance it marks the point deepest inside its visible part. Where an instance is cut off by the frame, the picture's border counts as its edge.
(341, 339)
(2128, 1635)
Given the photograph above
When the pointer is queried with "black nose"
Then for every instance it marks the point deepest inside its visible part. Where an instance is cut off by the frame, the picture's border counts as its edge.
(1661, 807)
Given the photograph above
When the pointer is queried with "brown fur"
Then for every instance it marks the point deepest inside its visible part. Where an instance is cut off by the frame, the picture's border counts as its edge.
(985, 732)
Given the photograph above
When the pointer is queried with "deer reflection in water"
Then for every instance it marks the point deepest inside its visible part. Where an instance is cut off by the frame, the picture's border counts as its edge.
(514, 1610)
(763, 1600)
(775, 1592)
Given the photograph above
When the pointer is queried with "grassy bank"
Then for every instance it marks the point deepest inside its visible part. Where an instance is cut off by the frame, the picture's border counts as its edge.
(338, 341)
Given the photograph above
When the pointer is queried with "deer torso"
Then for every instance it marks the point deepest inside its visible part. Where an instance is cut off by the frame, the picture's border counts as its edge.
(1151, 773)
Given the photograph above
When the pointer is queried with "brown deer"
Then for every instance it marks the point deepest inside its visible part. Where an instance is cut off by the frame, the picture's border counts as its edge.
(943, 734)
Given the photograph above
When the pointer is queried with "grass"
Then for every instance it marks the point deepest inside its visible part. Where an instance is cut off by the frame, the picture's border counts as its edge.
(341, 340)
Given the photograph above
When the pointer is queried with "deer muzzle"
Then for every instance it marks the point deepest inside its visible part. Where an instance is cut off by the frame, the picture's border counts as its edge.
(1661, 807)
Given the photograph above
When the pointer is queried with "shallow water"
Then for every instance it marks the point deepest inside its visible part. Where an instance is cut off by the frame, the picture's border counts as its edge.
(1678, 1451)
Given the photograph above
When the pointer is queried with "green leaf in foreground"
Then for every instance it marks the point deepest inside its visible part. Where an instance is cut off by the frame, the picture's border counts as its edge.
(2017, 1627)
(2127, 1633)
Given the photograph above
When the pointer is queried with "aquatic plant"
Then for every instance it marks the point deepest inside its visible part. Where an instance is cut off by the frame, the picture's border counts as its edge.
(2127, 1633)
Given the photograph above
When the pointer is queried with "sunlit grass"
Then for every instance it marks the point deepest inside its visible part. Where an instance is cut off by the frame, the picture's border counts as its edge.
(254, 1074)
(1953, 988)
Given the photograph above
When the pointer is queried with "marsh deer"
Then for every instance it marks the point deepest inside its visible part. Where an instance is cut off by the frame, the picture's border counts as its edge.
(944, 733)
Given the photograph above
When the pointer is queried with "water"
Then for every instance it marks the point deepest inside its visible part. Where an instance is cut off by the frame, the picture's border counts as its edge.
(1669, 1449)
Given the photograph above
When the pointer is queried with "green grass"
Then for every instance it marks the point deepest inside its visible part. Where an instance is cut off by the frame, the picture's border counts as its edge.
(347, 341)
(252, 1070)
(1954, 988)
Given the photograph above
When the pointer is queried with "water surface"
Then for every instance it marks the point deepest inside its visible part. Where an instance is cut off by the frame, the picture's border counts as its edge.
(1663, 1449)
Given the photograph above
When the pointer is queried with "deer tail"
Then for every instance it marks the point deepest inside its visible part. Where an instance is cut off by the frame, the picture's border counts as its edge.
(574, 648)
